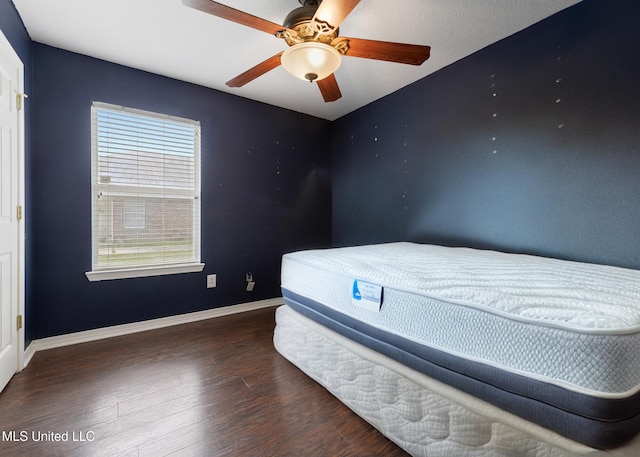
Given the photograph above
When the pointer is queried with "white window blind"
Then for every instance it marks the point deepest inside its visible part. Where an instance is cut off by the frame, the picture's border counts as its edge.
(146, 193)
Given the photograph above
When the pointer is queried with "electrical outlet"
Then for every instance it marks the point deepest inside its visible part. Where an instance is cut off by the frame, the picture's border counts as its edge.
(211, 281)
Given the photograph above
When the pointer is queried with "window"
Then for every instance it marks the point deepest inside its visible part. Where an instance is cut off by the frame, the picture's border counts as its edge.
(146, 193)
(134, 211)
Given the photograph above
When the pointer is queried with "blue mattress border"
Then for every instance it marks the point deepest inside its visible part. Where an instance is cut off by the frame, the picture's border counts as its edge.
(597, 422)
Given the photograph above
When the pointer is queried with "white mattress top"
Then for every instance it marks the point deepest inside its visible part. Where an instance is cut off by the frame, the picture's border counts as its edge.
(556, 292)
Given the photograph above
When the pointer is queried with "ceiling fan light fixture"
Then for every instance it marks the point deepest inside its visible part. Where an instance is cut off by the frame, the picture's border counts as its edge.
(311, 61)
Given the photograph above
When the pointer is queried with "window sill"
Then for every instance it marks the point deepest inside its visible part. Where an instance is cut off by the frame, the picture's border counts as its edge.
(104, 275)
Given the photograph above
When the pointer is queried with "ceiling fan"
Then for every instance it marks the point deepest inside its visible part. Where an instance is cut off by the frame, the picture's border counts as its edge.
(315, 49)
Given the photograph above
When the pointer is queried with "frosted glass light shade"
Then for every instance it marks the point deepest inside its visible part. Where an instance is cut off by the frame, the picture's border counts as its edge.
(311, 61)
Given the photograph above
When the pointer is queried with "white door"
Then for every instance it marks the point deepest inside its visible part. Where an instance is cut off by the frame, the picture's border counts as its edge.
(11, 296)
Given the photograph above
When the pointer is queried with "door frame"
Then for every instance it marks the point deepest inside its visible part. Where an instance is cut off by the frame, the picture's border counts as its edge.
(20, 192)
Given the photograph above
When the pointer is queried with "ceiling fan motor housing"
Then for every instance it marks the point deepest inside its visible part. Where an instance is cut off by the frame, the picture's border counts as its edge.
(299, 20)
(298, 15)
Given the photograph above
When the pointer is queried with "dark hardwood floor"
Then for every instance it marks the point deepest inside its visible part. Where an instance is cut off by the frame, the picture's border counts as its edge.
(209, 388)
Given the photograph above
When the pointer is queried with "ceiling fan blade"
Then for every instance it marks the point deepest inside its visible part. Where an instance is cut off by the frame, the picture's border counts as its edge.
(333, 12)
(329, 88)
(255, 72)
(413, 54)
(234, 15)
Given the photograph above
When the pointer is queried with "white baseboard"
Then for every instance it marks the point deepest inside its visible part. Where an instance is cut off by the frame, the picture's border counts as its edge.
(126, 329)
(29, 352)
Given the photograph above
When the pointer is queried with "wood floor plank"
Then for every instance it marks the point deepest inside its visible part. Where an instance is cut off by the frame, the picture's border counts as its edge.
(215, 387)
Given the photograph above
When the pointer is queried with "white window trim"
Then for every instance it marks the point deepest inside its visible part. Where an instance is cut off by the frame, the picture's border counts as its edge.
(141, 271)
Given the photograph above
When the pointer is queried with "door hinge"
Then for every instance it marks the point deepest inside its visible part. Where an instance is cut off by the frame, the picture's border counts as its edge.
(20, 100)
(19, 321)
(19, 212)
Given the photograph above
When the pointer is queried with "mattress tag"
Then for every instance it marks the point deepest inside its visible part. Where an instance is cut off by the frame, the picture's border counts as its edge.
(366, 295)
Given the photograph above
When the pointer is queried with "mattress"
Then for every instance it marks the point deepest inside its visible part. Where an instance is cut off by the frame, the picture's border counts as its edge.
(555, 342)
(420, 414)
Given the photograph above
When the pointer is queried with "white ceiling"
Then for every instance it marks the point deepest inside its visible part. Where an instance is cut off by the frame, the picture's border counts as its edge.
(167, 38)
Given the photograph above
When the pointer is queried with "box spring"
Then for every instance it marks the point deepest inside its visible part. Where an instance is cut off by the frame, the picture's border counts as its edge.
(422, 415)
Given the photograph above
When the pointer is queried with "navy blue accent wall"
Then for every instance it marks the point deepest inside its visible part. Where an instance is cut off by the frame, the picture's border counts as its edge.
(530, 145)
(266, 190)
(14, 30)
